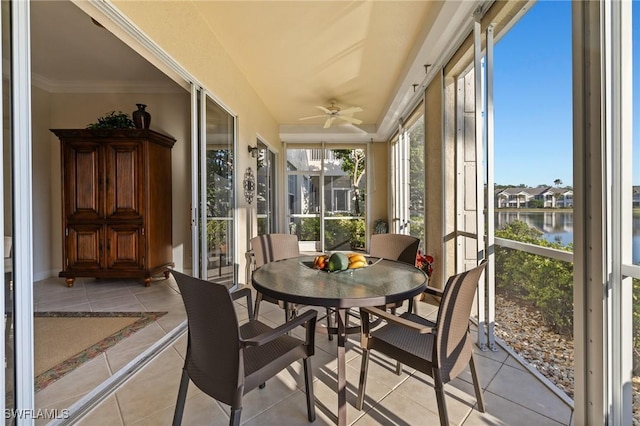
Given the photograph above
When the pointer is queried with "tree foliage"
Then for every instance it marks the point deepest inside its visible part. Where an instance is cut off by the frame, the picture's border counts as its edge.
(354, 163)
(536, 204)
(417, 181)
(219, 182)
(219, 195)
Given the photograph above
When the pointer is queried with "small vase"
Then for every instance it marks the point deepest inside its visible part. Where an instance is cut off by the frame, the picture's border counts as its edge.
(141, 118)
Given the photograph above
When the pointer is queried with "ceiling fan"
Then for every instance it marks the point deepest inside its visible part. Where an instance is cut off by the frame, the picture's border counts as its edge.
(333, 111)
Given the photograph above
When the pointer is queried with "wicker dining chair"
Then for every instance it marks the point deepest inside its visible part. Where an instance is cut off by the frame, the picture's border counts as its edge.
(397, 247)
(440, 349)
(270, 248)
(400, 247)
(227, 360)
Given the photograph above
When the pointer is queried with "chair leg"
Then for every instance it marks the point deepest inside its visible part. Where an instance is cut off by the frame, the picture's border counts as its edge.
(362, 386)
(476, 385)
(234, 420)
(256, 309)
(329, 323)
(398, 364)
(182, 396)
(308, 387)
(442, 406)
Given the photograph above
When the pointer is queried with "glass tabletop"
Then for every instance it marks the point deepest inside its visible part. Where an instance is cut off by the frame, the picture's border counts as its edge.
(381, 282)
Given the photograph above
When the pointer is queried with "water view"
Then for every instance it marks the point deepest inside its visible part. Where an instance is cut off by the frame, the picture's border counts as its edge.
(557, 226)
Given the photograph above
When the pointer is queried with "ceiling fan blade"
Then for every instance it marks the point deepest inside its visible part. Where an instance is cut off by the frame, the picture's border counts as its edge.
(313, 116)
(350, 119)
(323, 109)
(327, 123)
(351, 110)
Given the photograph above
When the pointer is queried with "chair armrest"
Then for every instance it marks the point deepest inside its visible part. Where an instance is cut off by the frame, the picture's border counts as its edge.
(420, 328)
(244, 292)
(307, 317)
(435, 291)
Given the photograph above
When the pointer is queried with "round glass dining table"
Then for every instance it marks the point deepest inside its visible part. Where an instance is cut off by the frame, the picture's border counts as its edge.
(379, 283)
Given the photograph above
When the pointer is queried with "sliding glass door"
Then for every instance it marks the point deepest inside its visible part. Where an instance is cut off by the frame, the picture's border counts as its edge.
(326, 196)
(408, 178)
(8, 349)
(216, 245)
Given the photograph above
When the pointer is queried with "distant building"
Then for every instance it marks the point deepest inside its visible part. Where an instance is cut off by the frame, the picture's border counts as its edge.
(548, 196)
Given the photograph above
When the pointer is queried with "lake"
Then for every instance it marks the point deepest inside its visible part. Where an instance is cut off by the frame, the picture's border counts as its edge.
(557, 226)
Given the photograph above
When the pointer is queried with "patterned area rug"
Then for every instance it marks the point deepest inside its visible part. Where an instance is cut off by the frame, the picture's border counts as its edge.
(66, 340)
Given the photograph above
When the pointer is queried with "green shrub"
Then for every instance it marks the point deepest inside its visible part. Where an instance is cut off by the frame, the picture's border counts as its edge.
(636, 327)
(344, 234)
(309, 229)
(339, 234)
(548, 283)
(545, 283)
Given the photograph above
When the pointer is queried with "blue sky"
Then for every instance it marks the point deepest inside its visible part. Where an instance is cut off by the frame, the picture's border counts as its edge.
(532, 97)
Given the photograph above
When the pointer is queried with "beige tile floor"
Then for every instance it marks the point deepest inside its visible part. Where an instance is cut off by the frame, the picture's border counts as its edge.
(512, 394)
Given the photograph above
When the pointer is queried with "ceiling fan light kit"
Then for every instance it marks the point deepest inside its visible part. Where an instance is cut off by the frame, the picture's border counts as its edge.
(333, 111)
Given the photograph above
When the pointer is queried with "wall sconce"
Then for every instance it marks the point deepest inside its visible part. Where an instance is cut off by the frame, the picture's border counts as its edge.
(253, 150)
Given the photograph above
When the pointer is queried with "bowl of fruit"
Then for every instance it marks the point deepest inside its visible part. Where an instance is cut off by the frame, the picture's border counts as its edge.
(337, 262)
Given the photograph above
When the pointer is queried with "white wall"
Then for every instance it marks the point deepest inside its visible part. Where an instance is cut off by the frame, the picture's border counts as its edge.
(43, 205)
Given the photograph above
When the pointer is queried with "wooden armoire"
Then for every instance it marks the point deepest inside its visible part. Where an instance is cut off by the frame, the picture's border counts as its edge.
(116, 203)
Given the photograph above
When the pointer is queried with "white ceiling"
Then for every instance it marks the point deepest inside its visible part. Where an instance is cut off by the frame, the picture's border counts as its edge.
(295, 54)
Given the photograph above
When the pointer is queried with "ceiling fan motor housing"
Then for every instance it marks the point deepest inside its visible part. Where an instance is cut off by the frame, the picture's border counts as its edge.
(332, 112)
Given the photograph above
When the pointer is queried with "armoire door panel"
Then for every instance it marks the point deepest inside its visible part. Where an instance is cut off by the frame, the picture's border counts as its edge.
(83, 192)
(124, 189)
(84, 245)
(124, 249)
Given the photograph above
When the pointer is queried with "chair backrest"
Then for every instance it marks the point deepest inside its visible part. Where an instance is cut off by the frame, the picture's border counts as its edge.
(213, 358)
(271, 247)
(453, 345)
(400, 247)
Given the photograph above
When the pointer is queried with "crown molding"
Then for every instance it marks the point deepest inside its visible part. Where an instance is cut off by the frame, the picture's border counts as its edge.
(93, 86)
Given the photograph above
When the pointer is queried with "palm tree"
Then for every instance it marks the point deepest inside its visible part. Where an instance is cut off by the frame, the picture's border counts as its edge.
(557, 182)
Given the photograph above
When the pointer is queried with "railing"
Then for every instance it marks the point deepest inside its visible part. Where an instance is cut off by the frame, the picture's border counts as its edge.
(551, 253)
